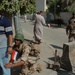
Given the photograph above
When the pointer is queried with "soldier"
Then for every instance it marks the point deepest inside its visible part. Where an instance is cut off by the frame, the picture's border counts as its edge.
(28, 56)
(70, 30)
(20, 45)
(73, 17)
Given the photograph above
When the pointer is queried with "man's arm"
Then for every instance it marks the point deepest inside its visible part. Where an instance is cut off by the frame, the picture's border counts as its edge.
(10, 43)
(10, 65)
(10, 40)
(67, 29)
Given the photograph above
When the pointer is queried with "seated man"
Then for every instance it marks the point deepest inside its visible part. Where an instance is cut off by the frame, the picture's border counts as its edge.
(27, 56)
(24, 50)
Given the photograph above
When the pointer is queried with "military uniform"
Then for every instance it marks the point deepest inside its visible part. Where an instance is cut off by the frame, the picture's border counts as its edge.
(70, 30)
(23, 53)
(24, 57)
(29, 54)
(33, 57)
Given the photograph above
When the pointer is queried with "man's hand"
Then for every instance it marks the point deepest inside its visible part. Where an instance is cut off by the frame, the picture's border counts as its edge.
(49, 25)
(8, 65)
(10, 50)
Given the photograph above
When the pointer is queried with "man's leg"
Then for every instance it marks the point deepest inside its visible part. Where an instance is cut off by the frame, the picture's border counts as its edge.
(5, 60)
(1, 71)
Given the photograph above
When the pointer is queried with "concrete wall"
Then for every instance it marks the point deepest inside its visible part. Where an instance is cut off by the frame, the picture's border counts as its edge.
(65, 16)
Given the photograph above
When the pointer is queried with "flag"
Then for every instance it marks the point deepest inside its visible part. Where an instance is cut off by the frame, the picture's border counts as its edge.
(14, 55)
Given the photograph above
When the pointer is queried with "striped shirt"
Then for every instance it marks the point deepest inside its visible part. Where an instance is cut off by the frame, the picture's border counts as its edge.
(5, 26)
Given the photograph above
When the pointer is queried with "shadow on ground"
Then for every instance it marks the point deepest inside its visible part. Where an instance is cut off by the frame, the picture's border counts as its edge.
(61, 71)
(30, 41)
(53, 58)
(56, 47)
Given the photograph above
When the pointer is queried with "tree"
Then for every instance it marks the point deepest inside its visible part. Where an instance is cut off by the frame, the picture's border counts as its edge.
(29, 7)
(61, 5)
(71, 6)
(68, 5)
(12, 6)
(52, 7)
(16, 7)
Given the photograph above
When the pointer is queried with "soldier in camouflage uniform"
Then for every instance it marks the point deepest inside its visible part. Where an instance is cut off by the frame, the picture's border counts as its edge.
(34, 57)
(28, 55)
(22, 60)
(70, 30)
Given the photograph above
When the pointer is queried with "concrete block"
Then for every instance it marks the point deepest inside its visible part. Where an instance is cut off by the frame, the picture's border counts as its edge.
(68, 56)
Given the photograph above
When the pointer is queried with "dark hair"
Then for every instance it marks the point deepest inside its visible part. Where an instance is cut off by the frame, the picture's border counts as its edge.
(38, 12)
(41, 11)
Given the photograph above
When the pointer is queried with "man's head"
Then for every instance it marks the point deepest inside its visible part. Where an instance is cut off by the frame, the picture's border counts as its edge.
(73, 21)
(41, 12)
(19, 38)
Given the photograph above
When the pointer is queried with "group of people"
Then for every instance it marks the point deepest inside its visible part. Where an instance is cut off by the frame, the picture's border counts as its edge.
(27, 53)
(40, 22)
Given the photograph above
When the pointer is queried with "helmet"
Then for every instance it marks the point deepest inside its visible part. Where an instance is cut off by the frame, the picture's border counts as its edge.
(19, 36)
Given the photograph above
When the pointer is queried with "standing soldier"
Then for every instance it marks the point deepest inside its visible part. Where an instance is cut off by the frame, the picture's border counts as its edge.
(70, 30)
(73, 17)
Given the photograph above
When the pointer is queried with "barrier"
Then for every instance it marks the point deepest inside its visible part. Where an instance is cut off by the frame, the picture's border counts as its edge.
(68, 56)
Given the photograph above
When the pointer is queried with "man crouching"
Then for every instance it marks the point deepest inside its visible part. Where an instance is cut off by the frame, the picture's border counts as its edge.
(23, 49)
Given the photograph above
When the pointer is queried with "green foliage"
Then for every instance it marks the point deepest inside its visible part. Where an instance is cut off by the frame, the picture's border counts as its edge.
(63, 5)
(13, 6)
(71, 7)
(9, 6)
(52, 4)
(29, 7)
